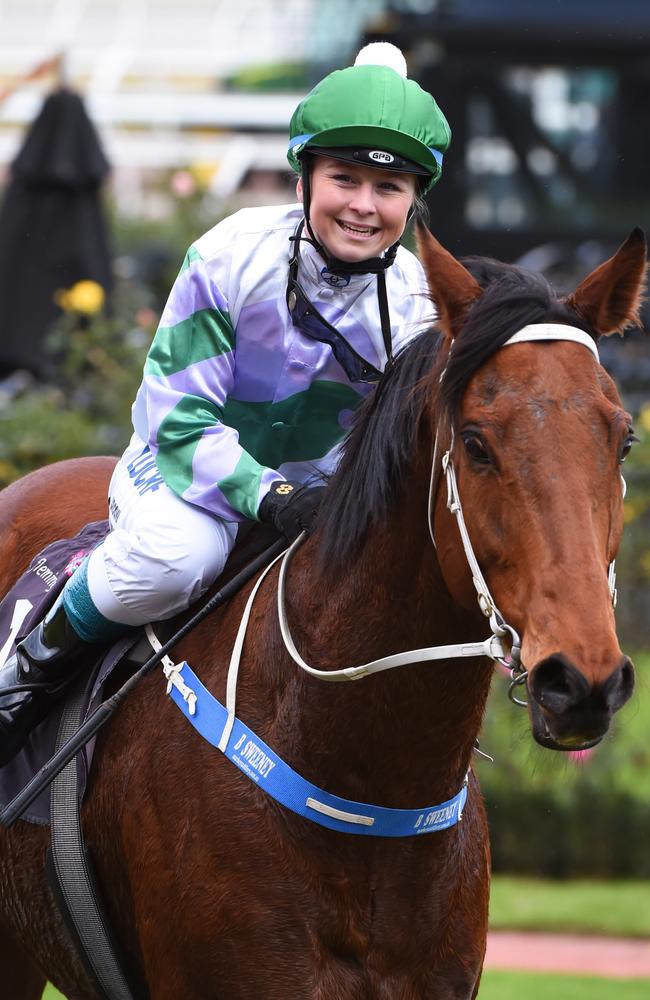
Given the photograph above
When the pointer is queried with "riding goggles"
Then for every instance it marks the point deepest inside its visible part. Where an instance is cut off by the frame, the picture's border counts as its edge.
(306, 318)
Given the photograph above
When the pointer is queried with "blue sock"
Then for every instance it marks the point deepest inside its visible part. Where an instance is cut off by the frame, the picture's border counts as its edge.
(87, 621)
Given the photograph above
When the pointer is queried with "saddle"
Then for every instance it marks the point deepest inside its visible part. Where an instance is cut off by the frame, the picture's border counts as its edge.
(28, 602)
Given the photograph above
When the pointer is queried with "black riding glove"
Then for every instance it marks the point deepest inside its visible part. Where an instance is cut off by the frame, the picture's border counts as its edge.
(291, 507)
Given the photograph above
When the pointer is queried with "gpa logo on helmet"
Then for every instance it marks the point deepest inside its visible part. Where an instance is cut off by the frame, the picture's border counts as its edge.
(380, 156)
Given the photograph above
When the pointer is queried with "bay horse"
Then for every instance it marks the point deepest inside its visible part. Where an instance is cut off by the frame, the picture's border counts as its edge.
(215, 891)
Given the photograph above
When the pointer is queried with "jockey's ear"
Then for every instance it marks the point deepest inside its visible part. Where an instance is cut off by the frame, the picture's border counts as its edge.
(610, 297)
(452, 287)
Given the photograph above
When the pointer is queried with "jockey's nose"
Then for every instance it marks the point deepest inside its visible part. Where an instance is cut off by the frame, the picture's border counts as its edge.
(362, 200)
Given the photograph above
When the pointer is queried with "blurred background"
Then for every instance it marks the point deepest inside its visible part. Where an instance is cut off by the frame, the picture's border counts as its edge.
(130, 127)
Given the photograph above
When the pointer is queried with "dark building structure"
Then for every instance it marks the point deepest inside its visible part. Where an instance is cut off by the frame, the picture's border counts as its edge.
(549, 104)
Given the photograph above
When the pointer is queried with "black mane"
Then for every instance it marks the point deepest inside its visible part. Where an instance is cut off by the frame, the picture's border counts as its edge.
(380, 445)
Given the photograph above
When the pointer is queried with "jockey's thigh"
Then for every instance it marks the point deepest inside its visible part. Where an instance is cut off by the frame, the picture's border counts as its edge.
(161, 554)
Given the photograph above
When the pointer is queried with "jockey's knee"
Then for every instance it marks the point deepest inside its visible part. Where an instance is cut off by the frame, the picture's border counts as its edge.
(141, 576)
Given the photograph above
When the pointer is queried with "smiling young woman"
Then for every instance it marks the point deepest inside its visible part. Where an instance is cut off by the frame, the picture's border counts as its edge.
(358, 211)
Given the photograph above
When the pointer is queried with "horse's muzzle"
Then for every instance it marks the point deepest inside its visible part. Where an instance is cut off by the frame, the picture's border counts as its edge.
(569, 713)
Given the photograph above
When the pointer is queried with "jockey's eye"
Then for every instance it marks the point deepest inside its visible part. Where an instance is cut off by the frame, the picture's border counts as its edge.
(475, 448)
(627, 444)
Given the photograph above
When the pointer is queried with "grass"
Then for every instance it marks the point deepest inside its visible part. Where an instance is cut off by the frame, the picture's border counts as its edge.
(497, 985)
(617, 909)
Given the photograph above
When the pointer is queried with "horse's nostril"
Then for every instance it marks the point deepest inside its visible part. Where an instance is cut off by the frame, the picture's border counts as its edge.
(557, 685)
(619, 686)
(559, 688)
(627, 675)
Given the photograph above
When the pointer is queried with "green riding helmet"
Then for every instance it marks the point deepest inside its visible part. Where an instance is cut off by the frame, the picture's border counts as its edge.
(372, 115)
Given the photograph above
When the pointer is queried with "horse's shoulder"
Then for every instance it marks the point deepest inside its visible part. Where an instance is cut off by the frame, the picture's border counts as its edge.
(49, 503)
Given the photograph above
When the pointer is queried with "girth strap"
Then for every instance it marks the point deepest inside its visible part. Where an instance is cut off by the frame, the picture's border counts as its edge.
(85, 914)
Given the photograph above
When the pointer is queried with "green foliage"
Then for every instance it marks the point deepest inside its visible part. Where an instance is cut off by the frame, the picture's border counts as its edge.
(84, 406)
(150, 251)
(52, 994)
(499, 985)
(563, 815)
(616, 909)
(271, 77)
(633, 611)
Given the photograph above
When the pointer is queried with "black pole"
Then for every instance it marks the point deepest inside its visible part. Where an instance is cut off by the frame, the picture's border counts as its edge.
(14, 809)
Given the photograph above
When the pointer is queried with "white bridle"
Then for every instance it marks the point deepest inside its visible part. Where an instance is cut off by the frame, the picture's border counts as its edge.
(492, 647)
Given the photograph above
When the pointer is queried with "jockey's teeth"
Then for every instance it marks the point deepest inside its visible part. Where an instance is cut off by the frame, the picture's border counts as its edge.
(362, 231)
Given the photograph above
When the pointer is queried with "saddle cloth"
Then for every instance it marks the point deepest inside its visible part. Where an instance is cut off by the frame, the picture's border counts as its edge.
(26, 605)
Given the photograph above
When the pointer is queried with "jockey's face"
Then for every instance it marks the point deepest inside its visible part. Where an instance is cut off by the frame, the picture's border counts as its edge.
(357, 211)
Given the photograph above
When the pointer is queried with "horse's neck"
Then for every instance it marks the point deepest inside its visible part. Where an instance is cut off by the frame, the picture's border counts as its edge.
(400, 738)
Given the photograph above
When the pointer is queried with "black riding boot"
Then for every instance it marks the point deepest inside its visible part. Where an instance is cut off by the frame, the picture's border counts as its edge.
(45, 663)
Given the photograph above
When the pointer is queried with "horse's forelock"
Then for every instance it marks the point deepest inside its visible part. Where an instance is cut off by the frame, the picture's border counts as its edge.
(512, 298)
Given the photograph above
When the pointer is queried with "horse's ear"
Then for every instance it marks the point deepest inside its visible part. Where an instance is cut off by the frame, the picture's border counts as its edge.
(452, 287)
(610, 297)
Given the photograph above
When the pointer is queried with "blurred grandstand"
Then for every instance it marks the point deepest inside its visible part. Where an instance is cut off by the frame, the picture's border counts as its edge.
(170, 83)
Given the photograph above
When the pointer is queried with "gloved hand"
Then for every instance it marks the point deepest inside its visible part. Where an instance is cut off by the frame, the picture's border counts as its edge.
(291, 507)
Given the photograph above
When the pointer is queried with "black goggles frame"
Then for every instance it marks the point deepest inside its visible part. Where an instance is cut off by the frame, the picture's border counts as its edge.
(306, 318)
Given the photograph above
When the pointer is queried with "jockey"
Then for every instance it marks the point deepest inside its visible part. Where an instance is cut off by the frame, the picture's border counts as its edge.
(280, 321)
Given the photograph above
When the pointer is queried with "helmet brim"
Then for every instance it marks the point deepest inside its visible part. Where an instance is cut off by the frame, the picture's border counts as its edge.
(381, 159)
(373, 137)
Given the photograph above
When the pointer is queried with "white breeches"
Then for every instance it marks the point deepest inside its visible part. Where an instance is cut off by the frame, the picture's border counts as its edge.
(161, 554)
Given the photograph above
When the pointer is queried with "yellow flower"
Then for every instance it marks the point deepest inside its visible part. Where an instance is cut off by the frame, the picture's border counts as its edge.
(203, 173)
(85, 297)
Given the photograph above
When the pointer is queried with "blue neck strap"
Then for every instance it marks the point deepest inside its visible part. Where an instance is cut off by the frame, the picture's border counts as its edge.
(281, 782)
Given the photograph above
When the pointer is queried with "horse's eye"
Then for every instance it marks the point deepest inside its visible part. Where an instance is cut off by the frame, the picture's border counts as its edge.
(627, 445)
(476, 449)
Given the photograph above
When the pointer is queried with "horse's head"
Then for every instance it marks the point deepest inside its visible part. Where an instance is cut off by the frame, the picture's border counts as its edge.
(539, 435)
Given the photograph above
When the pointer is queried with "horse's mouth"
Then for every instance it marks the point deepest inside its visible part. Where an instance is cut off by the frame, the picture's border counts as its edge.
(581, 738)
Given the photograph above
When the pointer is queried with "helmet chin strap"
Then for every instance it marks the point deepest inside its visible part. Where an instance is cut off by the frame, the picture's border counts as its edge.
(374, 265)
